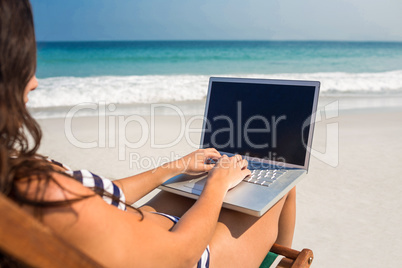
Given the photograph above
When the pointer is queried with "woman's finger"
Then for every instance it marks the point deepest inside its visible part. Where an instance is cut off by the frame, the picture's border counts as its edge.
(212, 153)
(238, 157)
(243, 164)
(212, 150)
(208, 167)
(224, 160)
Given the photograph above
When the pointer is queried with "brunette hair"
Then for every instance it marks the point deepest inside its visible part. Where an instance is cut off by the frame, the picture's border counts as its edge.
(18, 157)
(20, 134)
(17, 66)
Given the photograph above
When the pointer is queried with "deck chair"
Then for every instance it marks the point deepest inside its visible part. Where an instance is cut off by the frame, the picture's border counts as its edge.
(289, 258)
(31, 243)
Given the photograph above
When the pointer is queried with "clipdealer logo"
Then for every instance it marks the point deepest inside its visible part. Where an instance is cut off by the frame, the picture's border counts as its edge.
(330, 155)
(112, 130)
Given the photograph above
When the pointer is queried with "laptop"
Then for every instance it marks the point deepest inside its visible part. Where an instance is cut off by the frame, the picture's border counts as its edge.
(268, 122)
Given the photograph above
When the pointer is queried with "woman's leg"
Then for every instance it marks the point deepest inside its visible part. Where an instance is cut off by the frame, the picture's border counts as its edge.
(240, 240)
(287, 220)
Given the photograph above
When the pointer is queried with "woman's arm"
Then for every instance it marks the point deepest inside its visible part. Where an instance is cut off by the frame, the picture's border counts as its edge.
(198, 224)
(137, 186)
(117, 238)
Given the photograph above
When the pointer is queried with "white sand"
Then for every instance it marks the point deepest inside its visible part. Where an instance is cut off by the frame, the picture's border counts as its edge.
(349, 214)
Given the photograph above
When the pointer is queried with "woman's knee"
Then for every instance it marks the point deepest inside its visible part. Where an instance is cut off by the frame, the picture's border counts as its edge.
(293, 192)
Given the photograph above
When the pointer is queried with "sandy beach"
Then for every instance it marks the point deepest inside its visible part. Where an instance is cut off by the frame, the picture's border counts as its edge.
(348, 204)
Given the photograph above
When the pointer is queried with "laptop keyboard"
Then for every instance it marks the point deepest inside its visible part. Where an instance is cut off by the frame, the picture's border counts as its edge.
(264, 177)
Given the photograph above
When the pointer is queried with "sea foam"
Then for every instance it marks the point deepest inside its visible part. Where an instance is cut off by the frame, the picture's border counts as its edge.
(69, 91)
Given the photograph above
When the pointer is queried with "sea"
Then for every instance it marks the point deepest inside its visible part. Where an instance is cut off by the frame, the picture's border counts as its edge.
(138, 73)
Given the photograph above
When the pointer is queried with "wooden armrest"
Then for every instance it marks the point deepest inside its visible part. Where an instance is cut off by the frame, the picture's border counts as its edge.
(293, 258)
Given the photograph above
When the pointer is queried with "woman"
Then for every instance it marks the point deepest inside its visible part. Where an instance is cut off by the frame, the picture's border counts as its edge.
(72, 203)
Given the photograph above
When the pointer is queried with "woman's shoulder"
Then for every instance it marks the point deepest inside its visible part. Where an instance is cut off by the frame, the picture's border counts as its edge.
(104, 187)
(109, 191)
(52, 187)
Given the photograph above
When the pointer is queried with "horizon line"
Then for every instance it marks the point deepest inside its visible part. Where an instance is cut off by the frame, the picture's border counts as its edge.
(220, 40)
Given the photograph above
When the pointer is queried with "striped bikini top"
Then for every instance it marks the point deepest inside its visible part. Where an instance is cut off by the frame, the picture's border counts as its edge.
(89, 179)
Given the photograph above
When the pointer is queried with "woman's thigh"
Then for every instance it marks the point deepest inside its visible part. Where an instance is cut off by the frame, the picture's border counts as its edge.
(241, 240)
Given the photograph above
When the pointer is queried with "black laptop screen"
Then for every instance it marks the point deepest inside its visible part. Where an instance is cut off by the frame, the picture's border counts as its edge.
(268, 121)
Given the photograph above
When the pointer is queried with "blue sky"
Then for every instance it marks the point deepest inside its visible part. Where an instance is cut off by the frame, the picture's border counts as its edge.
(72, 20)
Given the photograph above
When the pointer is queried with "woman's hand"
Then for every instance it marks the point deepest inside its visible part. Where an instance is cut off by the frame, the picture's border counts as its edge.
(229, 171)
(198, 162)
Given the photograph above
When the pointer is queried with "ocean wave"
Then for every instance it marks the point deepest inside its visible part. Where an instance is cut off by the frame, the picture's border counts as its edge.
(69, 91)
